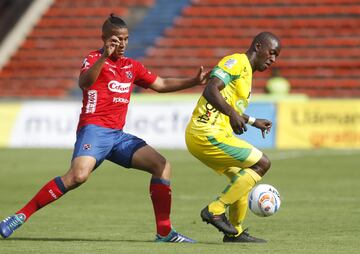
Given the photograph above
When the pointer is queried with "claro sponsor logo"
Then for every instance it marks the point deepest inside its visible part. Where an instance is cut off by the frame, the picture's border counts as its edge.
(117, 87)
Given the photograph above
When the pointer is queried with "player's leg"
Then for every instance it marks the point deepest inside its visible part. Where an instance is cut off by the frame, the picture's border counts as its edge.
(84, 161)
(210, 155)
(54, 189)
(237, 214)
(133, 152)
(149, 160)
(78, 173)
(238, 209)
(234, 196)
(262, 166)
(236, 193)
(240, 185)
(222, 153)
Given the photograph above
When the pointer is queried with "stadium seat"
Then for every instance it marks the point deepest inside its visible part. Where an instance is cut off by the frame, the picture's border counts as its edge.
(48, 62)
(320, 41)
(271, 11)
(272, 2)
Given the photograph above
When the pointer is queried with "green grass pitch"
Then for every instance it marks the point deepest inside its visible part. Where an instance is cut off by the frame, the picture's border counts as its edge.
(112, 212)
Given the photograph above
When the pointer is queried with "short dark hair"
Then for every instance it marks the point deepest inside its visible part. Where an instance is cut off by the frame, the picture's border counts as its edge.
(113, 21)
(264, 37)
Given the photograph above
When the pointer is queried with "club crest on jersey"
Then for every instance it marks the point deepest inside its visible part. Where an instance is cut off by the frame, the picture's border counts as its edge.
(86, 146)
(117, 87)
(128, 74)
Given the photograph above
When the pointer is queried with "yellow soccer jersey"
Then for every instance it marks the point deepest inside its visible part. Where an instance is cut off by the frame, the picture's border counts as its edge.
(236, 72)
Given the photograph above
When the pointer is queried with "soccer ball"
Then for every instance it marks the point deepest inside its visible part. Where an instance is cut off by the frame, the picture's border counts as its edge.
(264, 200)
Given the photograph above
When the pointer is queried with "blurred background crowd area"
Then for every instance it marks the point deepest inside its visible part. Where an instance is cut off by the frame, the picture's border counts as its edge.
(43, 42)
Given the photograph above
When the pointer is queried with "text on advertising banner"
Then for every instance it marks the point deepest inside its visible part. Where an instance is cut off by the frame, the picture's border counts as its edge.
(319, 123)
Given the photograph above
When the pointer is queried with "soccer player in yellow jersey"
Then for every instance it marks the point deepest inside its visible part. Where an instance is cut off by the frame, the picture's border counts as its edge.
(210, 136)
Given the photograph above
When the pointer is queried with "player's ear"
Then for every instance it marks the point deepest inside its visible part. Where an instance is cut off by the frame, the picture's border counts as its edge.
(257, 46)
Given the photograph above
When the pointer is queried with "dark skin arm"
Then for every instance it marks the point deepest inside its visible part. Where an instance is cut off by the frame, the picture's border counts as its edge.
(238, 122)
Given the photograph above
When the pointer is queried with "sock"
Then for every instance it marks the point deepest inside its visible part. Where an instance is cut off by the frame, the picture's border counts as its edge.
(160, 193)
(47, 194)
(240, 185)
(237, 213)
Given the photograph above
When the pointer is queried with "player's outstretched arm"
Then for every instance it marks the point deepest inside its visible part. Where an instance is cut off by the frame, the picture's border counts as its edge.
(165, 85)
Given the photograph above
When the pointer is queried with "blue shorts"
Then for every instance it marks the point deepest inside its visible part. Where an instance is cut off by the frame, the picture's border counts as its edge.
(106, 144)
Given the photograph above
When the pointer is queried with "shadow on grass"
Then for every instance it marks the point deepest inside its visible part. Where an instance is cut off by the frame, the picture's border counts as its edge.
(45, 239)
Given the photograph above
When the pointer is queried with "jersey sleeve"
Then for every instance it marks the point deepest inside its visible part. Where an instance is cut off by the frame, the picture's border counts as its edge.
(228, 69)
(88, 62)
(144, 77)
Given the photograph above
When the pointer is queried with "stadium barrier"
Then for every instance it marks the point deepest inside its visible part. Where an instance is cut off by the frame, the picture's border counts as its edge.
(161, 121)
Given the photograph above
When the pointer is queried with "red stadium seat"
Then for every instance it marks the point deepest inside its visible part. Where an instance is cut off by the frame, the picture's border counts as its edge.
(85, 11)
(267, 23)
(320, 39)
(270, 11)
(48, 62)
(272, 2)
(97, 3)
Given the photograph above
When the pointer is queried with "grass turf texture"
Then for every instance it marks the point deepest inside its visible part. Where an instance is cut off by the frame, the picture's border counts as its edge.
(112, 212)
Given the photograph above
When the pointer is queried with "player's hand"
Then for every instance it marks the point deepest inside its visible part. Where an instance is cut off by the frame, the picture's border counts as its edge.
(110, 45)
(203, 76)
(238, 123)
(264, 125)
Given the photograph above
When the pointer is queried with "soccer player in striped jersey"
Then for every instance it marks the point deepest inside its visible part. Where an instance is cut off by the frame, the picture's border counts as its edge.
(210, 134)
(107, 78)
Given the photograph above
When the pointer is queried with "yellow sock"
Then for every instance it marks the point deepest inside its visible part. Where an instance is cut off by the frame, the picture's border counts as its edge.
(240, 185)
(237, 213)
(237, 210)
(217, 207)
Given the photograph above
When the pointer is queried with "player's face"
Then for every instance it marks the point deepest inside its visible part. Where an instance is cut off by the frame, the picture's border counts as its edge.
(267, 54)
(123, 35)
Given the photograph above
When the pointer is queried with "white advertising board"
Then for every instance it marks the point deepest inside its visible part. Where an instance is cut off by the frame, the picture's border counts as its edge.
(45, 124)
(53, 123)
(161, 125)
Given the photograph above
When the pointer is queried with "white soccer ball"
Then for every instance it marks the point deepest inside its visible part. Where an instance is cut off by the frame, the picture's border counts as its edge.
(264, 200)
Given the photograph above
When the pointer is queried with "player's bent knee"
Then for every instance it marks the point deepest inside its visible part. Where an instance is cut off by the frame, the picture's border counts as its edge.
(163, 170)
(167, 167)
(80, 178)
(75, 177)
(262, 166)
(266, 163)
(160, 163)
